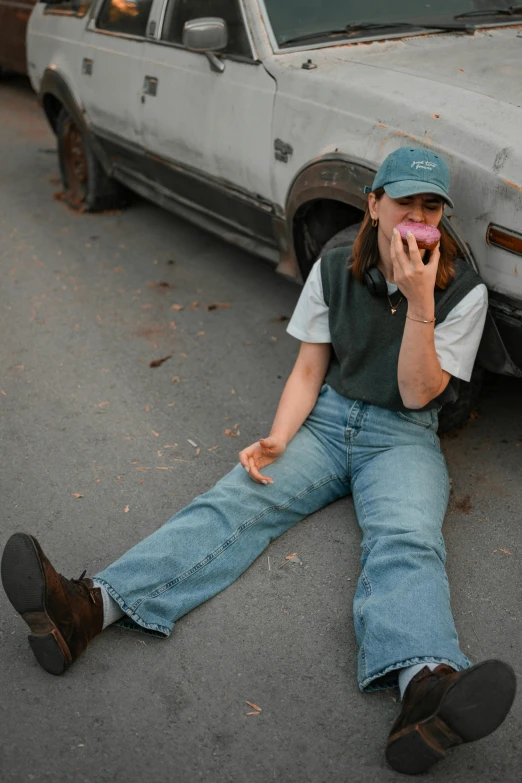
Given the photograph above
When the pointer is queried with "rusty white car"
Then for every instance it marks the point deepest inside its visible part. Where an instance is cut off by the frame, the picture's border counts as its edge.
(264, 121)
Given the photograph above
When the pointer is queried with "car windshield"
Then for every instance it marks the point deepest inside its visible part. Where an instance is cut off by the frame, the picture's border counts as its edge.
(295, 19)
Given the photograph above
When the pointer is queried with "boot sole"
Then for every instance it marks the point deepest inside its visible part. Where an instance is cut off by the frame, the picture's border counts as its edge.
(472, 708)
(24, 583)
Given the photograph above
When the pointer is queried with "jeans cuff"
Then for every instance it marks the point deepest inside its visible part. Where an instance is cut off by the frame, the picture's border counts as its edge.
(133, 621)
(388, 678)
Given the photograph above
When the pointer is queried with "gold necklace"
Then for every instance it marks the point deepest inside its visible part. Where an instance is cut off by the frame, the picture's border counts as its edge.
(392, 308)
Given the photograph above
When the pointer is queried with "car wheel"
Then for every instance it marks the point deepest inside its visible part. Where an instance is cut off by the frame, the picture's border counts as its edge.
(455, 414)
(344, 238)
(87, 187)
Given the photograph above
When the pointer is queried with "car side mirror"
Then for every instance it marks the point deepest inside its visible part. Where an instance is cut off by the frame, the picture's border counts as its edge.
(207, 35)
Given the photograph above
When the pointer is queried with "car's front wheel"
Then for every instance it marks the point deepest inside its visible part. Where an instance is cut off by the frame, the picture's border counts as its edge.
(87, 187)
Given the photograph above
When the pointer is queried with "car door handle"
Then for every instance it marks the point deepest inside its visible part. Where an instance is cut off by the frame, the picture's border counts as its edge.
(87, 66)
(150, 85)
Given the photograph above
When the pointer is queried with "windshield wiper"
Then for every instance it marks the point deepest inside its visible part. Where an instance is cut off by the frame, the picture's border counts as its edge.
(355, 27)
(512, 10)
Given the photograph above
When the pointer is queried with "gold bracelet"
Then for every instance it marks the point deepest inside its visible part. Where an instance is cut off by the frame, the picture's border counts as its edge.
(421, 321)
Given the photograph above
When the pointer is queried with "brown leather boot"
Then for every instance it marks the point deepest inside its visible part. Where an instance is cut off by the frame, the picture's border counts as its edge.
(63, 614)
(444, 708)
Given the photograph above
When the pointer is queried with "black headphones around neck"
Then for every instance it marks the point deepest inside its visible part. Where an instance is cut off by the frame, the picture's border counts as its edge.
(376, 282)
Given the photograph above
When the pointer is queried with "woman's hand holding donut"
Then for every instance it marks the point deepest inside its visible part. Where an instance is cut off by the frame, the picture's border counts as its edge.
(415, 279)
(259, 455)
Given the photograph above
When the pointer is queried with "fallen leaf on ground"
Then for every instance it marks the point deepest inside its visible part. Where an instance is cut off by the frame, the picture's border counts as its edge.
(253, 713)
(213, 448)
(194, 306)
(506, 551)
(254, 706)
(175, 379)
(126, 510)
(103, 404)
(173, 324)
(197, 452)
(184, 355)
(289, 557)
(177, 307)
(170, 404)
(147, 408)
(170, 445)
(77, 495)
(157, 468)
(158, 362)
(232, 391)
(230, 433)
(216, 305)
(142, 468)
(3, 392)
(156, 434)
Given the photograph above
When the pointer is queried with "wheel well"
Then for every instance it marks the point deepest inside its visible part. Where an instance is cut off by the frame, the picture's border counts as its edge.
(315, 223)
(52, 107)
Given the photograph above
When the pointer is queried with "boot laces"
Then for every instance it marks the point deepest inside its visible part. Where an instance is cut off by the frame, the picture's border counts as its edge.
(85, 590)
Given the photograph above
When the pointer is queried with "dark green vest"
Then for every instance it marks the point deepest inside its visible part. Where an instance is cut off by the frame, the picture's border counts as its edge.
(366, 337)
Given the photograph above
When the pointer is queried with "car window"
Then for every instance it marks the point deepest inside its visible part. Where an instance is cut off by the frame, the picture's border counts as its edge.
(180, 11)
(125, 16)
(293, 18)
(69, 8)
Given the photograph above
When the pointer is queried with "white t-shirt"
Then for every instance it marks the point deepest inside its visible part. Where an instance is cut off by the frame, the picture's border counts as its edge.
(457, 338)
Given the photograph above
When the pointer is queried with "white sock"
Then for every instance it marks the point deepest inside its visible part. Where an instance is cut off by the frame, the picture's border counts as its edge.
(407, 674)
(111, 609)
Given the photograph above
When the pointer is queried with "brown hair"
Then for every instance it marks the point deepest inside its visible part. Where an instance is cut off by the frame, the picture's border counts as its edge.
(365, 251)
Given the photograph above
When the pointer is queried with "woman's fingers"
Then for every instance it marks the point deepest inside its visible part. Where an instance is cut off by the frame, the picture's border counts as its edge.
(255, 475)
(397, 253)
(434, 256)
(415, 256)
(243, 457)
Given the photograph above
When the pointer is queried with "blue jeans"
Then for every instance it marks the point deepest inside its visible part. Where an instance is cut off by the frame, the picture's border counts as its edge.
(390, 462)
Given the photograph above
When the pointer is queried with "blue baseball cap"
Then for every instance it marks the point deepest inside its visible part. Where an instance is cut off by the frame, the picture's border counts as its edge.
(411, 170)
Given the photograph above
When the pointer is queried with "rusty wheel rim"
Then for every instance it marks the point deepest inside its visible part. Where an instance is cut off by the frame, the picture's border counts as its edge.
(75, 164)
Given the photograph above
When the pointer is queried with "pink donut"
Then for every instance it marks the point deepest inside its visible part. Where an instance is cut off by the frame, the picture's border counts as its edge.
(426, 236)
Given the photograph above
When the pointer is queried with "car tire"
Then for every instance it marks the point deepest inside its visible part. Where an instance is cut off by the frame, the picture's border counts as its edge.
(344, 238)
(455, 414)
(87, 187)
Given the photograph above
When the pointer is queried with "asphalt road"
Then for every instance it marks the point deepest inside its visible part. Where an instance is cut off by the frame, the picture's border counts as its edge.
(84, 308)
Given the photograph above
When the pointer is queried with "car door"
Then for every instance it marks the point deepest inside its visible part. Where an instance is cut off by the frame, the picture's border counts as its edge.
(111, 72)
(209, 131)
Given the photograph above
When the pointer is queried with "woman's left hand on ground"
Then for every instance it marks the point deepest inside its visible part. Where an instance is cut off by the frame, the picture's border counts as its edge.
(415, 279)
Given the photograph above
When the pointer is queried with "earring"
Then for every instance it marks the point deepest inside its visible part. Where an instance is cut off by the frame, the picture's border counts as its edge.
(375, 222)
